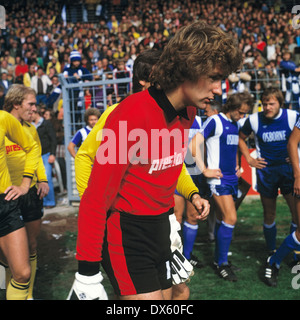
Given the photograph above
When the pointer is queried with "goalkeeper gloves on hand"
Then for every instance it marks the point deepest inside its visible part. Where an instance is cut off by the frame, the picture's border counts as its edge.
(175, 238)
(87, 288)
(181, 268)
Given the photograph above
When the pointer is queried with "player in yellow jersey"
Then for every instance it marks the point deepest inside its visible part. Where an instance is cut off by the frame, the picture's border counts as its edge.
(87, 152)
(31, 204)
(13, 238)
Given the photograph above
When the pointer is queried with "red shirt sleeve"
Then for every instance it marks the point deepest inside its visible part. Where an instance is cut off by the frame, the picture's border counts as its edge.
(103, 187)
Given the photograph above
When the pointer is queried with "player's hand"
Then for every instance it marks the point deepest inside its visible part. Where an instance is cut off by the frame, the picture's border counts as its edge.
(87, 288)
(238, 171)
(42, 189)
(201, 205)
(258, 163)
(213, 173)
(181, 269)
(297, 186)
(51, 158)
(14, 192)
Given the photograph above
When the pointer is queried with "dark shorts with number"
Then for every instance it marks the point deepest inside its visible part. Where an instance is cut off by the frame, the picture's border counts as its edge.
(31, 206)
(10, 216)
(136, 253)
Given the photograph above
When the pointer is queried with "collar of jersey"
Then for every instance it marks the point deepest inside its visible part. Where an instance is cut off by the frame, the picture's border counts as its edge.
(161, 99)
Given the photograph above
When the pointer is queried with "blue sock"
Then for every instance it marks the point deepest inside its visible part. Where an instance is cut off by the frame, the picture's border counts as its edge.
(289, 244)
(217, 226)
(224, 238)
(293, 228)
(270, 232)
(189, 234)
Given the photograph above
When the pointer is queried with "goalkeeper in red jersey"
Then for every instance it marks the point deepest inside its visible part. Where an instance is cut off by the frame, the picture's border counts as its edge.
(124, 212)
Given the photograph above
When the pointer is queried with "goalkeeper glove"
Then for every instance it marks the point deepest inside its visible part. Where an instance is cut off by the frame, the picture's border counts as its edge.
(181, 268)
(175, 238)
(87, 288)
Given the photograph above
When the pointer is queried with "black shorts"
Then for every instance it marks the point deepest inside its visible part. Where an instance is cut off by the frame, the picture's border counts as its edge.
(31, 206)
(10, 216)
(136, 253)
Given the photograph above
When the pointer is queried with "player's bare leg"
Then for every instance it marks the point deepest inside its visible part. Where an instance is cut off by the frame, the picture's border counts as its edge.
(180, 292)
(290, 200)
(33, 230)
(15, 249)
(155, 295)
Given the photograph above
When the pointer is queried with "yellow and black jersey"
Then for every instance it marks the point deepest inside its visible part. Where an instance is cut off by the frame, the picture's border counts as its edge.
(16, 158)
(12, 129)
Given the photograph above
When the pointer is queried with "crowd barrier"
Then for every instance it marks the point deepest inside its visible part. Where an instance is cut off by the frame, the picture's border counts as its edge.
(101, 94)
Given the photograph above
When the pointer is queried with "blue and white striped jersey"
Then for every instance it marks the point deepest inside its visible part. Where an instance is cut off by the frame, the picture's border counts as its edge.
(271, 135)
(297, 125)
(189, 161)
(81, 135)
(221, 137)
(197, 124)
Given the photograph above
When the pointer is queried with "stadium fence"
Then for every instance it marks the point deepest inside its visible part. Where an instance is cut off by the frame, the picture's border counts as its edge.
(102, 93)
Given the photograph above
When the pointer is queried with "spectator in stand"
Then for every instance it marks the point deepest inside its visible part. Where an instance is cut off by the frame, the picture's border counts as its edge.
(55, 94)
(31, 73)
(14, 51)
(3, 67)
(98, 69)
(106, 66)
(271, 49)
(91, 117)
(48, 141)
(87, 99)
(41, 84)
(4, 82)
(58, 125)
(290, 74)
(121, 72)
(21, 68)
(2, 96)
(76, 73)
(113, 24)
(54, 63)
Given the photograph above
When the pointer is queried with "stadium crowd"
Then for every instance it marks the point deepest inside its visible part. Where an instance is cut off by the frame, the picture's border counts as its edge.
(39, 37)
(40, 40)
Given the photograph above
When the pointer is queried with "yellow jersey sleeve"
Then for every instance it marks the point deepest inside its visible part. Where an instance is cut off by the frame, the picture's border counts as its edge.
(16, 158)
(185, 184)
(12, 129)
(40, 175)
(86, 154)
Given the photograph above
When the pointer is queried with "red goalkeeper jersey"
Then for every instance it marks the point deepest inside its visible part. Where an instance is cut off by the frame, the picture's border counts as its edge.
(144, 142)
